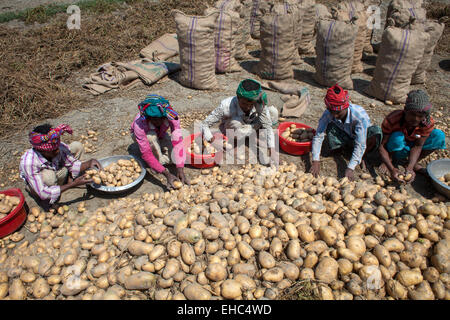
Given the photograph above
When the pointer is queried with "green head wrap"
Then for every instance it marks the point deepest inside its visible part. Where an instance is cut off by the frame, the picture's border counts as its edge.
(251, 90)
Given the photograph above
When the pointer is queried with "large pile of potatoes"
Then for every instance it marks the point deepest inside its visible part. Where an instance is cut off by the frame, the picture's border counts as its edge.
(116, 174)
(244, 234)
(294, 134)
(7, 204)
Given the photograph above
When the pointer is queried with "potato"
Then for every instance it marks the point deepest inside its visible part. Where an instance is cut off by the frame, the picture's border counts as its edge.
(4, 288)
(348, 254)
(421, 292)
(327, 270)
(393, 244)
(306, 233)
(171, 268)
(266, 260)
(275, 274)
(356, 244)
(293, 250)
(409, 277)
(247, 283)
(156, 252)
(187, 254)
(194, 291)
(245, 250)
(40, 288)
(429, 209)
(17, 290)
(216, 272)
(345, 267)
(290, 270)
(244, 268)
(231, 289)
(382, 255)
(189, 235)
(328, 234)
(140, 281)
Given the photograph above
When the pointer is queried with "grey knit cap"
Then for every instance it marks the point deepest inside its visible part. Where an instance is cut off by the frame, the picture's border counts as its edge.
(418, 100)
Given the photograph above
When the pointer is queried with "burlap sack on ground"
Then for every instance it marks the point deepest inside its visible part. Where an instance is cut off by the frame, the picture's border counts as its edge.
(309, 22)
(125, 75)
(290, 7)
(334, 49)
(434, 29)
(162, 48)
(197, 55)
(402, 11)
(258, 7)
(346, 11)
(277, 47)
(322, 12)
(400, 53)
(225, 35)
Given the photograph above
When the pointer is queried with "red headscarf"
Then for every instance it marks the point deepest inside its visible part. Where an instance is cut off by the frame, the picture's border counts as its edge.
(49, 141)
(337, 98)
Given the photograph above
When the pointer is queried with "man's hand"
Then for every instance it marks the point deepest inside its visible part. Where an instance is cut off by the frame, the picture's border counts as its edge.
(395, 175)
(182, 177)
(412, 173)
(170, 179)
(81, 180)
(315, 168)
(350, 174)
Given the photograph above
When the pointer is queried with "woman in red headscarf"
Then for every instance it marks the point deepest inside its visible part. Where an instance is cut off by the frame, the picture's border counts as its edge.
(344, 123)
(52, 167)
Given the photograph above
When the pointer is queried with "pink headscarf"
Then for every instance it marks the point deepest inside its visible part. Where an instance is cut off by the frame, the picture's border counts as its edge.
(49, 141)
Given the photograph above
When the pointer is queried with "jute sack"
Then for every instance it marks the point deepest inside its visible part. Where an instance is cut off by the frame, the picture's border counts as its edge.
(162, 48)
(368, 49)
(258, 7)
(197, 54)
(244, 35)
(225, 35)
(434, 29)
(309, 22)
(401, 11)
(290, 7)
(346, 11)
(277, 47)
(334, 49)
(322, 12)
(400, 53)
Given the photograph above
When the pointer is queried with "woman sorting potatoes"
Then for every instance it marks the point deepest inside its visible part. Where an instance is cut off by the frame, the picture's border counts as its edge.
(149, 131)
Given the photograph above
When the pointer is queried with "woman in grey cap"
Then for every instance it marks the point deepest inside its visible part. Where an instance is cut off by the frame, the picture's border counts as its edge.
(409, 135)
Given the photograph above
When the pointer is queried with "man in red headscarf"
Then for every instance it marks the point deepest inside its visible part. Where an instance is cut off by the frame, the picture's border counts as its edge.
(45, 168)
(344, 123)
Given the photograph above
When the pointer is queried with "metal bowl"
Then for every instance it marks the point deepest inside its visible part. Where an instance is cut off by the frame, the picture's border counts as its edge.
(437, 169)
(115, 190)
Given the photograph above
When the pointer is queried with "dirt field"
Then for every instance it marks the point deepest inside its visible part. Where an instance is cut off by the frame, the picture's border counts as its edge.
(111, 114)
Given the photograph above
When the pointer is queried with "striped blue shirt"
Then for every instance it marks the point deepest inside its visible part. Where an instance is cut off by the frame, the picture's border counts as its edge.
(355, 126)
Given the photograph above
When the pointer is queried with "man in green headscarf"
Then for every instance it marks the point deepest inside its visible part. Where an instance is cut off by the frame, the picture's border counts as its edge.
(244, 113)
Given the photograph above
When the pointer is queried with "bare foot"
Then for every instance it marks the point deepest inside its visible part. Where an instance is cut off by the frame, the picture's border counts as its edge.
(383, 169)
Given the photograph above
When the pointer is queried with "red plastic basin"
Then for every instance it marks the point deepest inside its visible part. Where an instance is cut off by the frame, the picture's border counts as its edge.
(205, 160)
(15, 218)
(291, 147)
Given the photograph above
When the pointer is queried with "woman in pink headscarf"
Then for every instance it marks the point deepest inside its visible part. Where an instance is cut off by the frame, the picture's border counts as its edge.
(50, 167)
